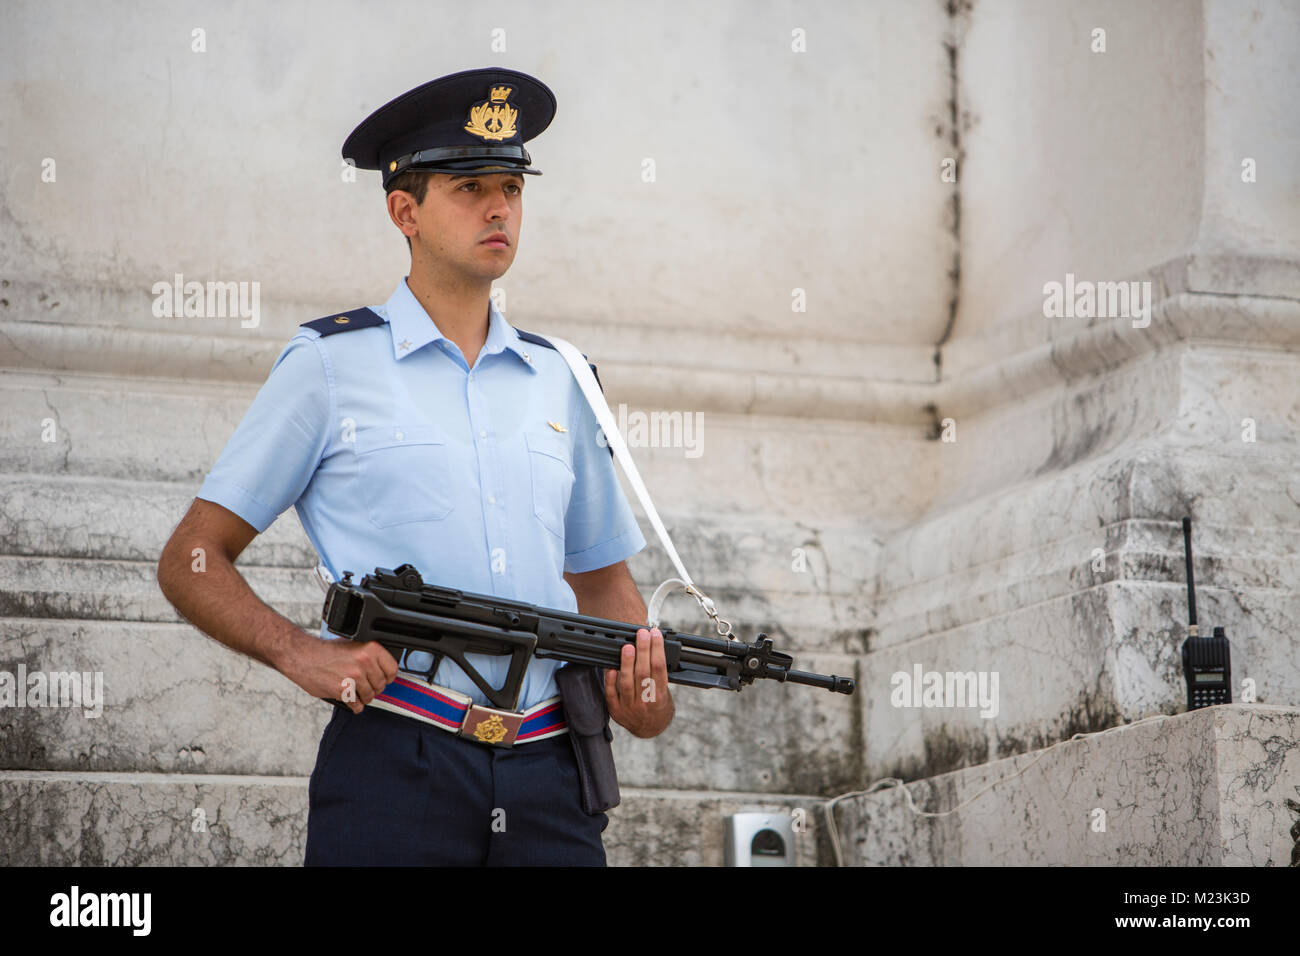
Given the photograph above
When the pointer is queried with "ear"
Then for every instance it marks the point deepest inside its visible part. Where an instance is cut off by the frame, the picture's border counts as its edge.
(401, 209)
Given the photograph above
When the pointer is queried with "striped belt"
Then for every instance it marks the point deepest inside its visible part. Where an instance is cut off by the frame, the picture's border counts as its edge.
(457, 713)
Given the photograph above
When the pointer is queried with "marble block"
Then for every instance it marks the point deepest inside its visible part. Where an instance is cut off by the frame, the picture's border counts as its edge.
(1214, 787)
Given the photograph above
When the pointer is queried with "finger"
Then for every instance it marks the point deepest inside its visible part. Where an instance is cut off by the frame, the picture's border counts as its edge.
(642, 670)
(381, 660)
(356, 704)
(387, 663)
(612, 703)
(626, 682)
(365, 675)
(373, 674)
(658, 662)
(349, 686)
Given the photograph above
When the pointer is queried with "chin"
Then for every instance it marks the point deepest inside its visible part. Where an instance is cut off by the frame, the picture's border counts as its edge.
(501, 268)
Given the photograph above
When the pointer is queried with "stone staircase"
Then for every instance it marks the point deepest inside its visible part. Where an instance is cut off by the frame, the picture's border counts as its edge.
(863, 548)
(186, 725)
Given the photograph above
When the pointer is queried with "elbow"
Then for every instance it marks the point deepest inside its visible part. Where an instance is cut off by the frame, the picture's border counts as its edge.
(172, 564)
(164, 573)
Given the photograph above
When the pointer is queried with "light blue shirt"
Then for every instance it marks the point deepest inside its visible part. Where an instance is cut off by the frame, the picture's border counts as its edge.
(394, 450)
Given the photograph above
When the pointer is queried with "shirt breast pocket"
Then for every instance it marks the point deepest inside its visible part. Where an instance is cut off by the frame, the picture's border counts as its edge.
(551, 464)
(404, 472)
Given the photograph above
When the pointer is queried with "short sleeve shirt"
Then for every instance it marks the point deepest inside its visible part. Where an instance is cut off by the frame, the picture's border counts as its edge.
(394, 450)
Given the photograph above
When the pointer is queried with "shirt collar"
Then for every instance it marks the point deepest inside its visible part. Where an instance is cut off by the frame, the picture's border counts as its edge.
(412, 329)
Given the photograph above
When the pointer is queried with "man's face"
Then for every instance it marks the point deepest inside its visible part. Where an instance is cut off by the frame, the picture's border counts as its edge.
(470, 224)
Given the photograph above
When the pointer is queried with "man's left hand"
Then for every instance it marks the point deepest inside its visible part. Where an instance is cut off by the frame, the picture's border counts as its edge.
(637, 693)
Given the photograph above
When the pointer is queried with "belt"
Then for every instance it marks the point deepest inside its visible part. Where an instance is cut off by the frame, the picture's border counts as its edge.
(457, 713)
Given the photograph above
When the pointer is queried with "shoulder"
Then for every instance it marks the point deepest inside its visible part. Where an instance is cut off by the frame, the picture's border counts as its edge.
(535, 339)
(539, 340)
(352, 321)
(317, 348)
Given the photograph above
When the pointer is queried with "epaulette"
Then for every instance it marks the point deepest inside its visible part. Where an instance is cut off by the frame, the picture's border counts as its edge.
(362, 318)
(538, 340)
(535, 339)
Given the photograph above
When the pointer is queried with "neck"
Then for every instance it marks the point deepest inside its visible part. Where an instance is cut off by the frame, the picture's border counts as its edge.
(459, 309)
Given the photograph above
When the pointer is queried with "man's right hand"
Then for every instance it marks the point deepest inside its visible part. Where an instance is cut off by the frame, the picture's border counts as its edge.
(343, 670)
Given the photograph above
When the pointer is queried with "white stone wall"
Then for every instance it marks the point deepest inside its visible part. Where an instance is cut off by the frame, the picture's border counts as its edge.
(774, 169)
(942, 460)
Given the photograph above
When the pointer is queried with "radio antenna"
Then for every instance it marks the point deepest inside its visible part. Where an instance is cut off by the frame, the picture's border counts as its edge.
(1191, 585)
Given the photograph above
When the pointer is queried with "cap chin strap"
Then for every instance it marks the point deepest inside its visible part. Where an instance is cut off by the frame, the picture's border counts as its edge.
(596, 399)
(449, 159)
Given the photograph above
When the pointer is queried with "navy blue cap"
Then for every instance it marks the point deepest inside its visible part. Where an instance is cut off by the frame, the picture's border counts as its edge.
(467, 123)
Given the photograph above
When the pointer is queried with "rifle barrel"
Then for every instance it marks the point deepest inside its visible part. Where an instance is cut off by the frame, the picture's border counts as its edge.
(840, 685)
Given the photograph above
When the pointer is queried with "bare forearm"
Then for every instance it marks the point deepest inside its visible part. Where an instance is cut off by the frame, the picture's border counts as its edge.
(620, 601)
(218, 601)
(609, 592)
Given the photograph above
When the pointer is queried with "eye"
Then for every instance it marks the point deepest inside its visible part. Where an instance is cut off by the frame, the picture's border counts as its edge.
(472, 184)
(514, 189)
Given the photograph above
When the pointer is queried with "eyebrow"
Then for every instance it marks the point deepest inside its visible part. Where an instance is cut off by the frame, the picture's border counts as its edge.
(462, 176)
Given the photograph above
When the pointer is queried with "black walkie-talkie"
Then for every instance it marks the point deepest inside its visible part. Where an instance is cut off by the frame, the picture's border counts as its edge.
(1206, 660)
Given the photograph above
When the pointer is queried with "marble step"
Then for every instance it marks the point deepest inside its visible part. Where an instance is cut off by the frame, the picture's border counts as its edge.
(1142, 481)
(174, 700)
(81, 326)
(954, 567)
(111, 590)
(1131, 550)
(798, 584)
(101, 589)
(84, 818)
(1080, 662)
(124, 520)
(86, 309)
(1214, 787)
(48, 515)
(111, 427)
(1192, 399)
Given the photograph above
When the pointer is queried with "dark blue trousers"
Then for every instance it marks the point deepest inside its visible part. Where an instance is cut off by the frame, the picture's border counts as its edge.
(390, 791)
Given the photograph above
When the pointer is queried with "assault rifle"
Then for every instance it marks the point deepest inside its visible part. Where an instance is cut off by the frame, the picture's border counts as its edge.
(401, 612)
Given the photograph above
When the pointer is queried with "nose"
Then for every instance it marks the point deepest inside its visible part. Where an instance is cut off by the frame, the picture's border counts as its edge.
(498, 207)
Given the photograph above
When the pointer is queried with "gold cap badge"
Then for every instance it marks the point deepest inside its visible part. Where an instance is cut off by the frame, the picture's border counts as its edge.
(494, 118)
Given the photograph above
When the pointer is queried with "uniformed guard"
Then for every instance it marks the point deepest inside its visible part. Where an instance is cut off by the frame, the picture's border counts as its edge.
(428, 431)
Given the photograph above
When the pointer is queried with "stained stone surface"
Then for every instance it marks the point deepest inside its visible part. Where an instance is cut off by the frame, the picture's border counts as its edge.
(683, 828)
(144, 819)
(1122, 662)
(175, 701)
(1206, 788)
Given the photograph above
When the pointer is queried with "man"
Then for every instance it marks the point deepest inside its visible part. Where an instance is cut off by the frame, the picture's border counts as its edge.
(429, 431)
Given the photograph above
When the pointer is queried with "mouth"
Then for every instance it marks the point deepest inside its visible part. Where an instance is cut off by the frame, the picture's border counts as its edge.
(498, 241)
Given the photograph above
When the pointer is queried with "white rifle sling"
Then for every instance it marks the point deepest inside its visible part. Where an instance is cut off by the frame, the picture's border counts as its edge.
(596, 399)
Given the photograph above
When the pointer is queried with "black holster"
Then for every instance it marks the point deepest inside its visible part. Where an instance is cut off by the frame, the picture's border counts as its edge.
(583, 692)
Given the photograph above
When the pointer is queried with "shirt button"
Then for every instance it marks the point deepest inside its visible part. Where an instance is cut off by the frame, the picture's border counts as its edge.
(492, 499)
(482, 434)
(398, 435)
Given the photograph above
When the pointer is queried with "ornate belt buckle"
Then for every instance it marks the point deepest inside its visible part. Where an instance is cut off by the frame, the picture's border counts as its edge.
(490, 726)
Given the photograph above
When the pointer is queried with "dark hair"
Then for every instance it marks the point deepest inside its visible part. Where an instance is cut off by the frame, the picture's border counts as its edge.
(415, 182)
